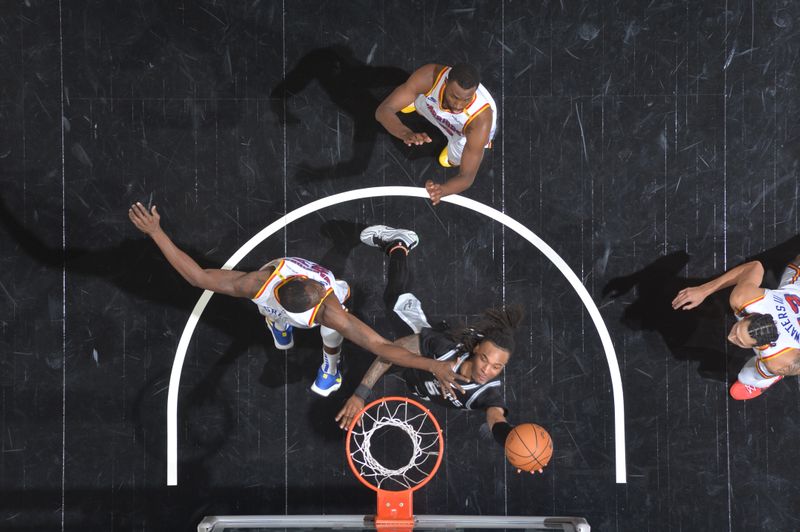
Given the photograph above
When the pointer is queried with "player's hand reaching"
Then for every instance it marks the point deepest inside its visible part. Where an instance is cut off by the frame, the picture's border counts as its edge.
(415, 139)
(352, 407)
(532, 472)
(434, 191)
(146, 222)
(689, 298)
(443, 371)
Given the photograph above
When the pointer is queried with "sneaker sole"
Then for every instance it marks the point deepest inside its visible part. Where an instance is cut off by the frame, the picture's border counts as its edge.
(283, 347)
(388, 234)
(325, 393)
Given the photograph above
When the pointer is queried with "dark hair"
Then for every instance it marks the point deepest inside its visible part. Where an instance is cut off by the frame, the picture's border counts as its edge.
(496, 325)
(466, 75)
(295, 296)
(762, 328)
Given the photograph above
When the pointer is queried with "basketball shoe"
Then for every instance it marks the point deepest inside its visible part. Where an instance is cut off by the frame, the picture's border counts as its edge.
(742, 392)
(284, 339)
(387, 238)
(326, 383)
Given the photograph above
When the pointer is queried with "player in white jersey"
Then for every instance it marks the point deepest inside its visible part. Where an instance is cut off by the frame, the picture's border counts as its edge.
(453, 100)
(768, 321)
(293, 292)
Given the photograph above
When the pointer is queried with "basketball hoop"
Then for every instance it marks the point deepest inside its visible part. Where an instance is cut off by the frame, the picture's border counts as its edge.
(383, 422)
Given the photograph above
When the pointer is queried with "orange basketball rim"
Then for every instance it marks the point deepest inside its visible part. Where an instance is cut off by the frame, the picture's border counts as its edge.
(394, 485)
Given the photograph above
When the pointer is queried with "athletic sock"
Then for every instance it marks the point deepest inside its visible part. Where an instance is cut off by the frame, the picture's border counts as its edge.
(330, 362)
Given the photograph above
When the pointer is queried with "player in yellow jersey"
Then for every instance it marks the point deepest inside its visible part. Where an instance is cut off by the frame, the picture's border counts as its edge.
(452, 99)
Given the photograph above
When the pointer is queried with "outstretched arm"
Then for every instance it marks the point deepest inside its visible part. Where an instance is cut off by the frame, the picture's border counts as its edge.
(332, 315)
(232, 283)
(376, 370)
(477, 138)
(386, 113)
(746, 278)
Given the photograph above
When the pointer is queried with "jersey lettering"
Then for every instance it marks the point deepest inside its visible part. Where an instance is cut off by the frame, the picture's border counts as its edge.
(432, 388)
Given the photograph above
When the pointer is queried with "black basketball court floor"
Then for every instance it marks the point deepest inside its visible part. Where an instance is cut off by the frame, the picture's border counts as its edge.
(642, 147)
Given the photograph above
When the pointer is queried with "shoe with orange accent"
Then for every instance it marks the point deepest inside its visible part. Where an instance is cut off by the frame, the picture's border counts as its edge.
(742, 392)
(443, 158)
(408, 108)
(386, 238)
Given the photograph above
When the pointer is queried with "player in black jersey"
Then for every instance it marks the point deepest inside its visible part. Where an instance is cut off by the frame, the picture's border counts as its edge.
(479, 352)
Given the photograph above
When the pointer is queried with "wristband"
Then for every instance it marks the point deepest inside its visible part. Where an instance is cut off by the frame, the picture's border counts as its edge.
(500, 431)
(363, 392)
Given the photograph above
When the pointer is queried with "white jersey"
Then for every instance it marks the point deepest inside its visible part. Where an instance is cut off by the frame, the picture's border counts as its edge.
(783, 305)
(291, 268)
(454, 125)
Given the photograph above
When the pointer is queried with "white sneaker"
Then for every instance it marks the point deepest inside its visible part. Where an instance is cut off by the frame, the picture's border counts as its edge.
(385, 237)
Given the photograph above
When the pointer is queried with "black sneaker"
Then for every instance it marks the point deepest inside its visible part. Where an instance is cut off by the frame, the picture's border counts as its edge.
(385, 237)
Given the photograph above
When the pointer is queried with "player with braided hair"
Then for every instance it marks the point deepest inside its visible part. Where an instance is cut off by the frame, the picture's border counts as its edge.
(768, 321)
(479, 352)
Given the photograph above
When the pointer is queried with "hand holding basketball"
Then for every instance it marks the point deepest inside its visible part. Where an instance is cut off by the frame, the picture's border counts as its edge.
(529, 447)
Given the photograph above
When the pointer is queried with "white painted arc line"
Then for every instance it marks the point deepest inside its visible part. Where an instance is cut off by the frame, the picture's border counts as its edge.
(365, 193)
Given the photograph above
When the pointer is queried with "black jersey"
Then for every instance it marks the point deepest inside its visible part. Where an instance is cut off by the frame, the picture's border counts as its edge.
(434, 344)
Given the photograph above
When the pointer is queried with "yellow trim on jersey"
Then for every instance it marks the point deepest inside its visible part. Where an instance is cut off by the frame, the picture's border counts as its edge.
(759, 298)
(761, 372)
(285, 280)
(436, 81)
(274, 272)
(775, 355)
(796, 272)
(316, 309)
(441, 101)
(441, 98)
(476, 113)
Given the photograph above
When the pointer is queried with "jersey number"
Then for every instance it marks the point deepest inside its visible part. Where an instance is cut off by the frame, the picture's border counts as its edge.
(794, 302)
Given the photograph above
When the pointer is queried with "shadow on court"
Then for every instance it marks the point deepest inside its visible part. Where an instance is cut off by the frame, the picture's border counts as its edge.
(207, 413)
(356, 89)
(698, 334)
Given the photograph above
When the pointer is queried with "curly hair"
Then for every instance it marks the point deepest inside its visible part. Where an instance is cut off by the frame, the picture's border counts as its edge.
(496, 325)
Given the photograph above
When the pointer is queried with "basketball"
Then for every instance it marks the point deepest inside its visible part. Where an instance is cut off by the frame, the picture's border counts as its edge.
(529, 447)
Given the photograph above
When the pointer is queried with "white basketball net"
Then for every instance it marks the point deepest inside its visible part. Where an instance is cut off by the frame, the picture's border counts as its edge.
(416, 425)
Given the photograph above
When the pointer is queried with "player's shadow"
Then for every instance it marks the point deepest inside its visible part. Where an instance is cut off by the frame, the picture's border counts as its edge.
(136, 267)
(355, 88)
(697, 334)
